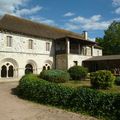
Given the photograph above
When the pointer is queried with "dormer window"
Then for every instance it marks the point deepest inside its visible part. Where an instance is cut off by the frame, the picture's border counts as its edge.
(9, 41)
(30, 44)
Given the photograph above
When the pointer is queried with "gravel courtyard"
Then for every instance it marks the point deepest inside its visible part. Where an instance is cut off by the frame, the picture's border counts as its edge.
(14, 108)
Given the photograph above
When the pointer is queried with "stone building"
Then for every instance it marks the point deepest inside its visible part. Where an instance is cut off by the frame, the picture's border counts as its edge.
(27, 46)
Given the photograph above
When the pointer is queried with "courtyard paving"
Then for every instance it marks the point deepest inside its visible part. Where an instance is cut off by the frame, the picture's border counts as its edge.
(14, 108)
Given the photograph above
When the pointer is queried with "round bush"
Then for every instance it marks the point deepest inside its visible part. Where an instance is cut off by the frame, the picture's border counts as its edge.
(78, 72)
(117, 81)
(102, 79)
(57, 76)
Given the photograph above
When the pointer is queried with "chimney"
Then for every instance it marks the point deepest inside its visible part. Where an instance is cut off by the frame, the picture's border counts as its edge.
(85, 34)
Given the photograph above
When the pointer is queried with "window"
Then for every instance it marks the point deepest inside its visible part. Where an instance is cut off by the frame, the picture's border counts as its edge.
(47, 46)
(9, 41)
(75, 63)
(98, 53)
(30, 44)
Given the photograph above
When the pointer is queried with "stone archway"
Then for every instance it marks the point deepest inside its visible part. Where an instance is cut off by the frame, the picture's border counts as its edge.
(31, 67)
(28, 69)
(8, 68)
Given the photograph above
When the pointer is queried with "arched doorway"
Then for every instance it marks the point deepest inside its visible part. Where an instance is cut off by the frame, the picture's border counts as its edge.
(28, 69)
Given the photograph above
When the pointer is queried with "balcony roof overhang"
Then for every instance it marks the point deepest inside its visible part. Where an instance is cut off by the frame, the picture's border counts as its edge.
(78, 39)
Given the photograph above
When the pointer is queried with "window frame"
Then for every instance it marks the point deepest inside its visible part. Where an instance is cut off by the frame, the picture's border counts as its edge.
(9, 41)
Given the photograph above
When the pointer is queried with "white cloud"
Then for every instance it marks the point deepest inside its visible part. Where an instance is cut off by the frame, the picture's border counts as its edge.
(25, 11)
(116, 2)
(17, 7)
(71, 26)
(117, 11)
(43, 20)
(9, 6)
(69, 14)
(92, 23)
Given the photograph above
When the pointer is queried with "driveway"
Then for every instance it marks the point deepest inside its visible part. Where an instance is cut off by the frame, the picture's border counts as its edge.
(14, 108)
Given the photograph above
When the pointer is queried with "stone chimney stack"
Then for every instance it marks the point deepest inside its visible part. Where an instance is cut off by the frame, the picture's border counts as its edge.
(85, 34)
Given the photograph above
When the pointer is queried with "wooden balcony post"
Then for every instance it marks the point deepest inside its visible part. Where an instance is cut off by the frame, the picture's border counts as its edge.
(92, 50)
(67, 46)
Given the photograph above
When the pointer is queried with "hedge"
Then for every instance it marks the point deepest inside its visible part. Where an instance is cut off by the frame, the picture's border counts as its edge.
(102, 79)
(117, 81)
(78, 72)
(57, 76)
(81, 100)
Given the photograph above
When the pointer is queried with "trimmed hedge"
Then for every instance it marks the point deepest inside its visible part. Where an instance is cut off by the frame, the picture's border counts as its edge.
(117, 81)
(102, 79)
(80, 100)
(78, 72)
(42, 91)
(57, 76)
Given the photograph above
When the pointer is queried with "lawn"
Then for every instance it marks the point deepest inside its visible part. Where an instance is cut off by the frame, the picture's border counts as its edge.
(86, 83)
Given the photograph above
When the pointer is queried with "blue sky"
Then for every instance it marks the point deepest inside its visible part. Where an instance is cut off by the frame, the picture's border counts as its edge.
(93, 16)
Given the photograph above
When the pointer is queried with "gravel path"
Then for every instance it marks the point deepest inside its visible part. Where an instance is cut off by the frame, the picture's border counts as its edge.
(14, 108)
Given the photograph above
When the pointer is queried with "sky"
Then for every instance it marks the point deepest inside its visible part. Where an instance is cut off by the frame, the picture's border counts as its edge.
(93, 16)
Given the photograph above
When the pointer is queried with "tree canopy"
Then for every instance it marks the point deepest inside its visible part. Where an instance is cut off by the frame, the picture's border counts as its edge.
(111, 40)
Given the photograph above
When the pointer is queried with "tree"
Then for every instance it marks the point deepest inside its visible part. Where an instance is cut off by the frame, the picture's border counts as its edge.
(111, 40)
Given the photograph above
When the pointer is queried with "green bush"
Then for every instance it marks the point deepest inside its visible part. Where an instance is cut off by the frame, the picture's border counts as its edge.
(57, 76)
(45, 92)
(80, 100)
(96, 103)
(102, 79)
(78, 72)
(117, 81)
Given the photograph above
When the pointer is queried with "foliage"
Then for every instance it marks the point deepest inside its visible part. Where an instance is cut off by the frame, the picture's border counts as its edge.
(78, 72)
(117, 81)
(45, 92)
(102, 79)
(81, 99)
(57, 76)
(111, 40)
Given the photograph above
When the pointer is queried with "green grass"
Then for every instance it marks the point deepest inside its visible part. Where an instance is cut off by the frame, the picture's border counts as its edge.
(86, 83)
(75, 84)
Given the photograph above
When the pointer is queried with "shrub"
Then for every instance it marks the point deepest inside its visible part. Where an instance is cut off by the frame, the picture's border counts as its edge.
(102, 79)
(57, 76)
(78, 72)
(117, 81)
(82, 99)
(45, 92)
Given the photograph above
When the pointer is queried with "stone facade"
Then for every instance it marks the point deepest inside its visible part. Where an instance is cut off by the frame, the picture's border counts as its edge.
(19, 55)
(15, 60)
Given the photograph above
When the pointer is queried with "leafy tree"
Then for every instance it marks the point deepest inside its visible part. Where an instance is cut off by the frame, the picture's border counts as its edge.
(111, 40)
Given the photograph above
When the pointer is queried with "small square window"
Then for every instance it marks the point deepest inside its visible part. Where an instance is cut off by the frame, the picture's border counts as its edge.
(47, 46)
(75, 63)
(9, 41)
